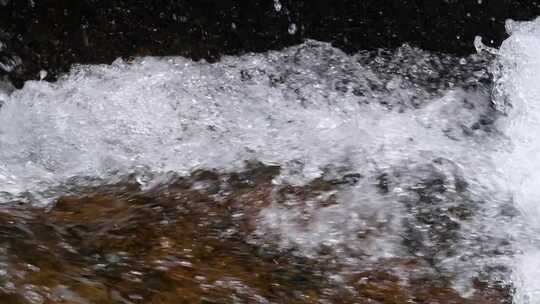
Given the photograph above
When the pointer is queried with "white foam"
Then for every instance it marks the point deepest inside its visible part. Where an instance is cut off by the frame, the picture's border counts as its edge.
(173, 114)
(517, 85)
(311, 109)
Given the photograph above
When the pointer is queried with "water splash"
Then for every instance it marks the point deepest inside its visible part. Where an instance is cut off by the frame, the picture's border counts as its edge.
(311, 105)
(517, 86)
(407, 136)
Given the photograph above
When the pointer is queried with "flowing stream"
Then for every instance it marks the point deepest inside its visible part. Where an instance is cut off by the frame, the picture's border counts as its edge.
(397, 176)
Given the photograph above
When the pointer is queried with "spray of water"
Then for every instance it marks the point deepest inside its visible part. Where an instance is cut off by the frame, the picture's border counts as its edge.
(518, 93)
(415, 138)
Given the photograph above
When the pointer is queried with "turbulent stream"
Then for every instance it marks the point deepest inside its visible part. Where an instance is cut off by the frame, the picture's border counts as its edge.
(304, 175)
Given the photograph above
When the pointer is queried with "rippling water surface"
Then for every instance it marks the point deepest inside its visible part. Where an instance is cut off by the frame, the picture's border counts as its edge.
(304, 175)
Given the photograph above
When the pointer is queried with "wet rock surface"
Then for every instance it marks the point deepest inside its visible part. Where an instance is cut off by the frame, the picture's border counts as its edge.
(51, 35)
(193, 240)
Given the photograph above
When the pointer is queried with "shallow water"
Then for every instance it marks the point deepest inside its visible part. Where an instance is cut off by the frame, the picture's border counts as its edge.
(304, 175)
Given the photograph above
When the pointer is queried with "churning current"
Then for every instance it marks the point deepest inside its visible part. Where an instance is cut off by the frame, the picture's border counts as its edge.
(442, 152)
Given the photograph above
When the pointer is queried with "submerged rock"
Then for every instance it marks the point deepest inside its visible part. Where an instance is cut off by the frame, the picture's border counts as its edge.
(193, 240)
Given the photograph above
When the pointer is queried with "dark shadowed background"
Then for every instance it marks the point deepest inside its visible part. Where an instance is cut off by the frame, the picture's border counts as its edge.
(53, 34)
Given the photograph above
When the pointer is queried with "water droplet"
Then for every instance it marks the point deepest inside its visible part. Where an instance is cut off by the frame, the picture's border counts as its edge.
(277, 5)
(292, 29)
(42, 75)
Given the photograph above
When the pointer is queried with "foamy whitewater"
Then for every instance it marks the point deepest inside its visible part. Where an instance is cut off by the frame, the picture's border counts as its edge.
(518, 94)
(448, 163)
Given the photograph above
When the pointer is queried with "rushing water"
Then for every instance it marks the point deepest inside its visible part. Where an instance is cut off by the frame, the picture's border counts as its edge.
(517, 89)
(375, 158)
